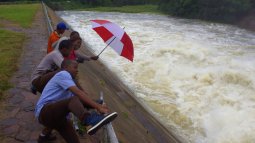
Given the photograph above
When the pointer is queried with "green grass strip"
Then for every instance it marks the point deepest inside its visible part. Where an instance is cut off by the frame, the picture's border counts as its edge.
(21, 14)
(10, 50)
(127, 9)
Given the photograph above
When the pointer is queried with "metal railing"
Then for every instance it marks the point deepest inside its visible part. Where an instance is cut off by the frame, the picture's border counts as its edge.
(108, 131)
(49, 25)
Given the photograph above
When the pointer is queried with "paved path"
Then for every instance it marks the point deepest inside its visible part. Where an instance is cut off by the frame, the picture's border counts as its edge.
(17, 115)
(17, 121)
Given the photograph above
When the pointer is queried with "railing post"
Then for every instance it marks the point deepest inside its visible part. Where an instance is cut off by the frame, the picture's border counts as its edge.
(109, 133)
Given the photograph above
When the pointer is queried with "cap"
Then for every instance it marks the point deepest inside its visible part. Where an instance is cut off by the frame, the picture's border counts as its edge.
(62, 25)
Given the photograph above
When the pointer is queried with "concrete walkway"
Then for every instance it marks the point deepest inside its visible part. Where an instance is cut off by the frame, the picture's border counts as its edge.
(17, 121)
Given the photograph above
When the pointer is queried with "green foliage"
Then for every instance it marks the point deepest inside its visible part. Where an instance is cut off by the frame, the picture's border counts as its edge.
(127, 6)
(219, 10)
(10, 49)
(125, 115)
(65, 5)
(79, 4)
(19, 1)
(127, 9)
(22, 14)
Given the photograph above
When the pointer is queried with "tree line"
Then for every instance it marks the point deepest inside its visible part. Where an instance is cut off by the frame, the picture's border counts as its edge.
(117, 2)
(56, 4)
(215, 10)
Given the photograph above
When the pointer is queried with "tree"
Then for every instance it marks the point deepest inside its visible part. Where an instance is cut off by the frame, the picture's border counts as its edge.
(219, 10)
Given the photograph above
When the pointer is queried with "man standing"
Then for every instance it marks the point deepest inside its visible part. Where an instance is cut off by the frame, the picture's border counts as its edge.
(61, 96)
(55, 36)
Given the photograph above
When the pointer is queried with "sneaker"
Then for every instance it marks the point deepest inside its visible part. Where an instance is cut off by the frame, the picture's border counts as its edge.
(98, 120)
(46, 138)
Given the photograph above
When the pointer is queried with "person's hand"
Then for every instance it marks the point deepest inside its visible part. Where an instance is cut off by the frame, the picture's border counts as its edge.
(80, 60)
(103, 109)
(94, 57)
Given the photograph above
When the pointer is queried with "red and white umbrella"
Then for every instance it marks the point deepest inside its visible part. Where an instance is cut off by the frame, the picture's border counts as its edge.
(115, 37)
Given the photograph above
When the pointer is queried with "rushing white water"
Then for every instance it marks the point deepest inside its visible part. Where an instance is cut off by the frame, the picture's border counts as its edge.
(197, 77)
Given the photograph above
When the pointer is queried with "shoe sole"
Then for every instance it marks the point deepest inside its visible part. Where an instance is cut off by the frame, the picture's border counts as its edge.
(103, 122)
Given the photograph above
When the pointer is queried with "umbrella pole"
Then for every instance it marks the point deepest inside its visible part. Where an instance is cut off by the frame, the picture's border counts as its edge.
(106, 47)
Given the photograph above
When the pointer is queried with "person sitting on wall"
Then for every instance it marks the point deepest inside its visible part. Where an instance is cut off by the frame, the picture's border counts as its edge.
(49, 66)
(55, 36)
(61, 96)
(75, 55)
(80, 58)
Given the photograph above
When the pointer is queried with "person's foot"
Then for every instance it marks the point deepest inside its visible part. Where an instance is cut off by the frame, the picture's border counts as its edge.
(98, 120)
(46, 138)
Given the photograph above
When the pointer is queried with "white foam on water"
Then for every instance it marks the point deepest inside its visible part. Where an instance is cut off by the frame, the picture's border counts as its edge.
(197, 77)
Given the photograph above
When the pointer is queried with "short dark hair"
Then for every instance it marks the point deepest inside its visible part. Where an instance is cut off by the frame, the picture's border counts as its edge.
(74, 32)
(65, 44)
(66, 62)
(74, 36)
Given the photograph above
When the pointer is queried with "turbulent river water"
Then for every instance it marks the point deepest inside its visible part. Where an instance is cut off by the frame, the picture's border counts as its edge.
(197, 77)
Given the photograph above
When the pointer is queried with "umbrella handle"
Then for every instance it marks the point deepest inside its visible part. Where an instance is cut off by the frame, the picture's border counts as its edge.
(106, 46)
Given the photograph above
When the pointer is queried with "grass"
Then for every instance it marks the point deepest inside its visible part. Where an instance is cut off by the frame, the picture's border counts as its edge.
(127, 9)
(74, 5)
(21, 14)
(11, 43)
(10, 49)
(125, 114)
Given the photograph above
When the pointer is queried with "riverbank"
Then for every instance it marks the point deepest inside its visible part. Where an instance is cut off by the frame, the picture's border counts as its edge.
(247, 22)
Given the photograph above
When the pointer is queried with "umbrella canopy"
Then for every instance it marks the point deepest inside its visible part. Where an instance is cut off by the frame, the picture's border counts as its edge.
(115, 37)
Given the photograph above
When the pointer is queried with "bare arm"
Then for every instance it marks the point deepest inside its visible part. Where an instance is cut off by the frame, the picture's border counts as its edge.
(83, 96)
(78, 54)
(85, 57)
(78, 85)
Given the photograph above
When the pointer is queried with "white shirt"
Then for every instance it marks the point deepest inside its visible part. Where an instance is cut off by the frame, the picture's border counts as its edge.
(50, 62)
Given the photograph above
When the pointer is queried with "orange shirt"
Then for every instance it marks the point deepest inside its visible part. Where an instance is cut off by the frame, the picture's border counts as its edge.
(54, 37)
